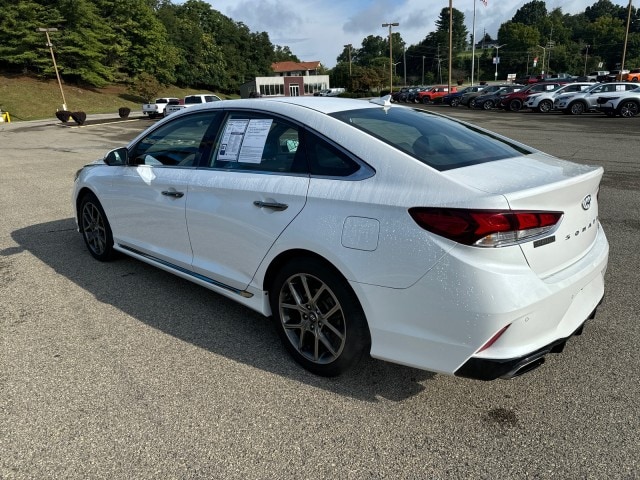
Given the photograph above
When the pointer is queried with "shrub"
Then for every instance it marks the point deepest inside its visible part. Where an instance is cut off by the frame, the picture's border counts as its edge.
(63, 115)
(79, 117)
(124, 112)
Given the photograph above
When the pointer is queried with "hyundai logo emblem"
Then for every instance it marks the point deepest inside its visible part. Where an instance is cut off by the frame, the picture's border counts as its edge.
(586, 202)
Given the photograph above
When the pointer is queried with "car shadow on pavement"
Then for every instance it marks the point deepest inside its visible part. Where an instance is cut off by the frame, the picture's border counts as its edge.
(211, 321)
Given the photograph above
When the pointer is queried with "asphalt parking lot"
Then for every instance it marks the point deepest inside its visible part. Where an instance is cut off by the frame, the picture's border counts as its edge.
(120, 370)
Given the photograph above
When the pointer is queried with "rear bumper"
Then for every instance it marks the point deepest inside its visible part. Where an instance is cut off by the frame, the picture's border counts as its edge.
(442, 321)
(491, 369)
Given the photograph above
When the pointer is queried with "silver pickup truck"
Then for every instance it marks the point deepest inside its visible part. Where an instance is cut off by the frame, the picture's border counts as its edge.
(191, 100)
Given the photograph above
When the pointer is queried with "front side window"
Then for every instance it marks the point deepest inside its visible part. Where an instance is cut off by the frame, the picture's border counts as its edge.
(181, 142)
(256, 142)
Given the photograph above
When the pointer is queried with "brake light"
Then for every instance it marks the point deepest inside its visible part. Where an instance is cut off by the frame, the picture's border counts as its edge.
(485, 228)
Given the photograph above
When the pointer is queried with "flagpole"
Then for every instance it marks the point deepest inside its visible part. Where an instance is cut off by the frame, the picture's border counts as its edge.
(473, 42)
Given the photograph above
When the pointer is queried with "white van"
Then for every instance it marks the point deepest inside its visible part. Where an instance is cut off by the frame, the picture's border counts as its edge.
(331, 92)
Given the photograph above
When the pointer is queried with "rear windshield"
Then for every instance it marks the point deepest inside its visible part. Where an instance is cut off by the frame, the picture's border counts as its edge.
(441, 143)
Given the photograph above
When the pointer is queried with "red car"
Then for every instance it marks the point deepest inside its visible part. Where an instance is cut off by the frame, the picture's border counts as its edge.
(515, 100)
(437, 91)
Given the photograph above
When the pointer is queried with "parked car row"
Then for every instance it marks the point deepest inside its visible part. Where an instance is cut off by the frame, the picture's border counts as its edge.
(428, 94)
(612, 98)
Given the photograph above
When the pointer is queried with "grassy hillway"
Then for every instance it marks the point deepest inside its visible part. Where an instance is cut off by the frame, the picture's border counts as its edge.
(28, 98)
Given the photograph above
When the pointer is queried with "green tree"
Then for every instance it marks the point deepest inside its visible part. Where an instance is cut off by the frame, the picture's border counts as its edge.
(605, 8)
(284, 54)
(83, 44)
(532, 13)
(459, 30)
(373, 47)
(138, 39)
(22, 48)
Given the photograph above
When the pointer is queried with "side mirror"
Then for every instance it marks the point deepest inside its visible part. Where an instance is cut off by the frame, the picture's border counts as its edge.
(119, 156)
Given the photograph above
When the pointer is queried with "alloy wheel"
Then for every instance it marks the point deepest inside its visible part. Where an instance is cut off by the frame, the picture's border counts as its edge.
(545, 106)
(628, 109)
(313, 319)
(93, 229)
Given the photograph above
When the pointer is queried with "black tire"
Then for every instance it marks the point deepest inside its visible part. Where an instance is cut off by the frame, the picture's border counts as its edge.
(545, 106)
(487, 104)
(577, 108)
(515, 105)
(318, 317)
(426, 100)
(628, 108)
(455, 102)
(472, 103)
(95, 228)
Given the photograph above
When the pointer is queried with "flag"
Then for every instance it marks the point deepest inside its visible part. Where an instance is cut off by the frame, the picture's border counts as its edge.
(485, 2)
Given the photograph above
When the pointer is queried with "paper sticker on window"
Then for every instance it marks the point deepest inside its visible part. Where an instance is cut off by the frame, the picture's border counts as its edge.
(254, 141)
(232, 140)
(244, 140)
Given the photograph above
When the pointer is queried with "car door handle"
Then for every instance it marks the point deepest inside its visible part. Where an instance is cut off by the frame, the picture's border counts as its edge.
(271, 205)
(173, 193)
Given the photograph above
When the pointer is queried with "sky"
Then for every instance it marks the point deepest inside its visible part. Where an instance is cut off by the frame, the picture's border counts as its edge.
(316, 30)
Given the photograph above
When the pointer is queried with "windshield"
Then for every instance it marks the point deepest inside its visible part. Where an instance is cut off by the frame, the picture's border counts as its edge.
(439, 142)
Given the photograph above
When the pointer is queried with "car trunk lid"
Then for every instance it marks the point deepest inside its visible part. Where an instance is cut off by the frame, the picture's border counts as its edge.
(543, 183)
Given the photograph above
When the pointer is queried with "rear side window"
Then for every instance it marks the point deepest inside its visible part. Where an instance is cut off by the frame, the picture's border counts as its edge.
(257, 142)
(438, 142)
(326, 160)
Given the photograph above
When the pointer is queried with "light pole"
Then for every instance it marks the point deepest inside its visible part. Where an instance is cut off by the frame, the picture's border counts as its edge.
(544, 55)
(497, 60)
(422, 69)
(586, 56)
(390, 25)
(55, 66)
(395, 71)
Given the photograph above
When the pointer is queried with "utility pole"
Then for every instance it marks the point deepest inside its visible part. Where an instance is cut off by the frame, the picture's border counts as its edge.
(404, 58)
(390, 25)
(422, 69)
(450, 43)
(626, 38)
(55, 66)
(349, 47)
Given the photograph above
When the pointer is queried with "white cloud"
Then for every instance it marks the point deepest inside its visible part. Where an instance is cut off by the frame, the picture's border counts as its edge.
(318, 30)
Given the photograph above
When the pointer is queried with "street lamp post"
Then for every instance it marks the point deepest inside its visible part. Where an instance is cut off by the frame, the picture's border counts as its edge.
(497, 60)
(390, 25)
(55, 66)
(422, 69)
(586, 57)
(544, 55)
(349, 47)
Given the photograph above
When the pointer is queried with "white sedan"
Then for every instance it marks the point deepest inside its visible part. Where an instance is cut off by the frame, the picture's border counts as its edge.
(361, 228)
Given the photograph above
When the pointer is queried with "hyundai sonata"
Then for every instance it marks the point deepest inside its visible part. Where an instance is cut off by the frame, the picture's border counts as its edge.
(361, 228)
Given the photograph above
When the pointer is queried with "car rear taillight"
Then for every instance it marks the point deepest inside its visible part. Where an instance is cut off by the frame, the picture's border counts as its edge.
(485, 228)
